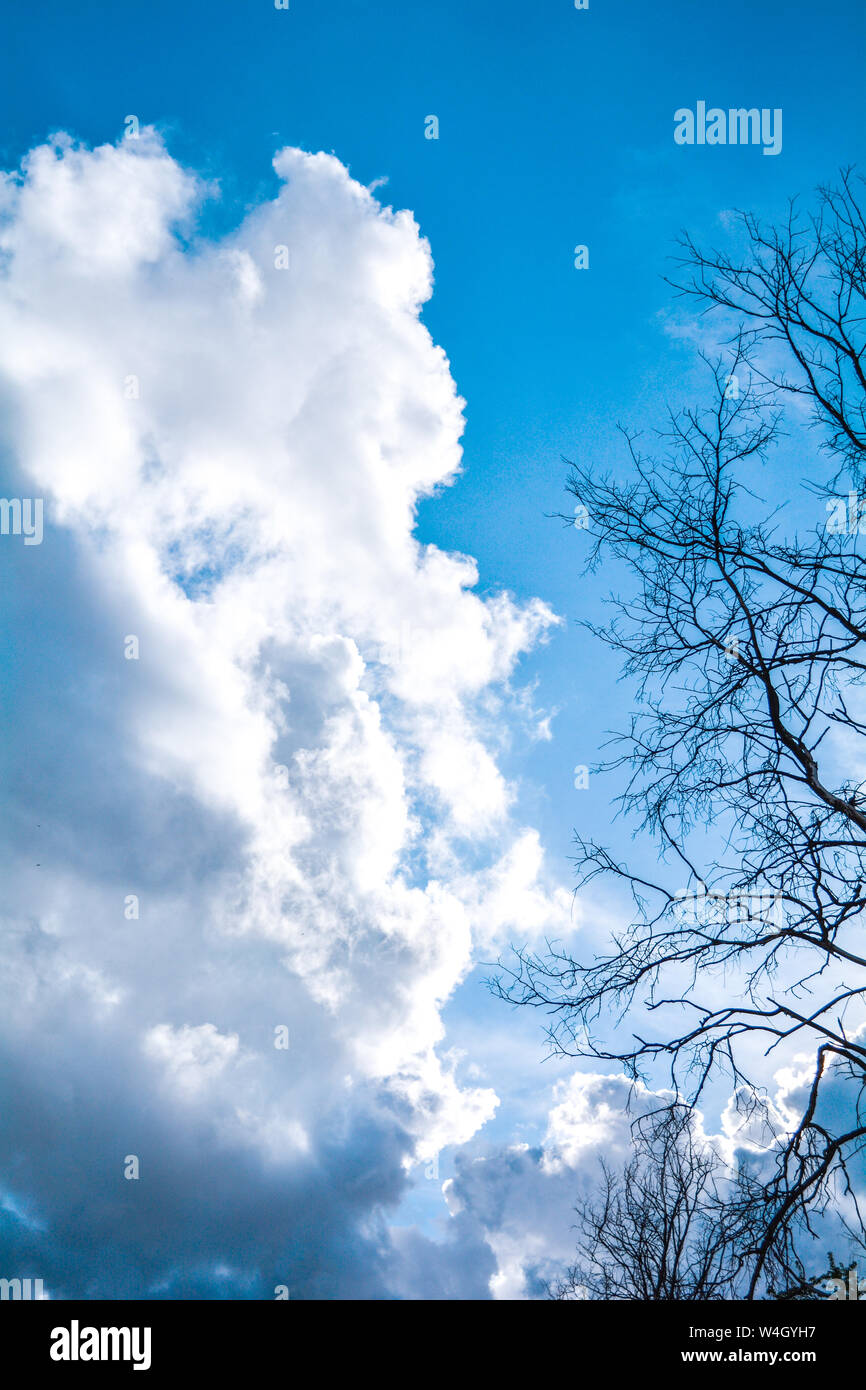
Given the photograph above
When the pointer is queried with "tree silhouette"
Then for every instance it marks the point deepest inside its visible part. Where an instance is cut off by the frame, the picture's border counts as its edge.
(743, 759)
(664, 1227)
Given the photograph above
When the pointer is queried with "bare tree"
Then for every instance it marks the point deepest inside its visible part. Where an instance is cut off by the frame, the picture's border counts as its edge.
(661, 1228)
(746, 645)
(800, 289)
(677, 1222)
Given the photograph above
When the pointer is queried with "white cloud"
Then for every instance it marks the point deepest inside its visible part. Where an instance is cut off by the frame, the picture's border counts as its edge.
(191, 1057)
(293, 773)
(512, 1209)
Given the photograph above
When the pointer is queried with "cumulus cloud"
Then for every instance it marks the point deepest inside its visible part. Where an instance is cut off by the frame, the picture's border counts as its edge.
(253, 782)
(512, 1207)
(512, 1219)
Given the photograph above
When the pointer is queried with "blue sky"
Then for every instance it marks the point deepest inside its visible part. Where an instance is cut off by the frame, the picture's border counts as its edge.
(555, 129)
